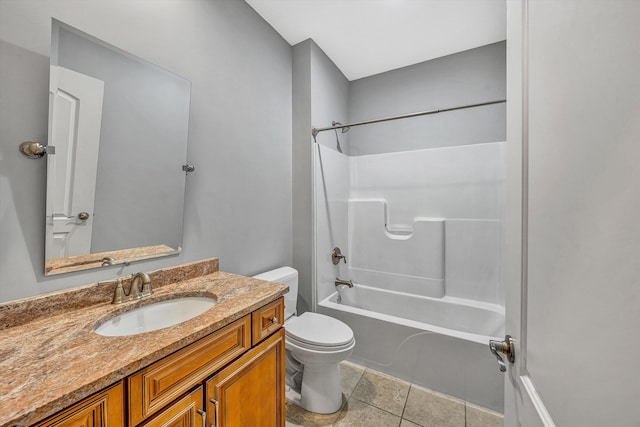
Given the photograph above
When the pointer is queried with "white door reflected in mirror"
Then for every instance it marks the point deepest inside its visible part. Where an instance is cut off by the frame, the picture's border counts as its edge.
(76, 115)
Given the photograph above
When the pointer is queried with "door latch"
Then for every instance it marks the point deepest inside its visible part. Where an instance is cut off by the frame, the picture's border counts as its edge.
(505, 347)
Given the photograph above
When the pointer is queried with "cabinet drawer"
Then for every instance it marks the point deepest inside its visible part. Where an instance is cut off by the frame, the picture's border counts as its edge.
(267, 320)
(160, 383)
(104, 409)
(186, 412)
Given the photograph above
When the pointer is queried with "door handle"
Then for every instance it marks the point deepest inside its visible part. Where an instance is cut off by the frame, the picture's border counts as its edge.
(215, 411)
(203, 414)
(505, 347)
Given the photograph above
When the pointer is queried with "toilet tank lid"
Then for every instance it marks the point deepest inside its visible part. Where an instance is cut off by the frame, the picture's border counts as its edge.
(282, 275)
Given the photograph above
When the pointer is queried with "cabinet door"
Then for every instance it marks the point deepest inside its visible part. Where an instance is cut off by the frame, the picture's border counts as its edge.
(185, 412)
(104, 409)
(250, 391)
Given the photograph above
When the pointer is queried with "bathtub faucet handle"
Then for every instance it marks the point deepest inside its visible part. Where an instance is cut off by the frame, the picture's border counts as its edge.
(505, 347)
(336, 256)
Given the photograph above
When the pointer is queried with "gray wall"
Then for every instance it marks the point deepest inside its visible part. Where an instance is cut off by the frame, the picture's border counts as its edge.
(145, 116)
(320, 95)
(302, 178)
(468, 77)
(238, 202)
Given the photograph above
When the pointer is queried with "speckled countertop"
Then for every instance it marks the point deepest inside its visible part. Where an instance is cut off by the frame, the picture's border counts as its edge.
(54, 359)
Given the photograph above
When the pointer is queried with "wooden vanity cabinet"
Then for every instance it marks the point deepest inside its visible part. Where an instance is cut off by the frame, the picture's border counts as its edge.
(103, 409)
(240, 367)
(250, 391)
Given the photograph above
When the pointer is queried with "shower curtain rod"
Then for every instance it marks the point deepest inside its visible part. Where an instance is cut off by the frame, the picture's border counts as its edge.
(316, 131)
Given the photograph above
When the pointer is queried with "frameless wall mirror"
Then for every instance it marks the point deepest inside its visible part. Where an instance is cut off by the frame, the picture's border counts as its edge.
(118, 126)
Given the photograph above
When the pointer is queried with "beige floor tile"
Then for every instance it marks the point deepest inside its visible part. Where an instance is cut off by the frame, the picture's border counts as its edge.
(407, 423)
(382, 391)
(296, 416)
(429, 408)
(350, 374)
(359, 414)
(478, 416)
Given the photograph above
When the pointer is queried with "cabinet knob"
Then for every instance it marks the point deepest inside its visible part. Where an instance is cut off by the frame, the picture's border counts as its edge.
(274, 320)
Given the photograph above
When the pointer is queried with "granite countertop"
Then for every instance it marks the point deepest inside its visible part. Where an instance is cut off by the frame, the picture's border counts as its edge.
(55, 359)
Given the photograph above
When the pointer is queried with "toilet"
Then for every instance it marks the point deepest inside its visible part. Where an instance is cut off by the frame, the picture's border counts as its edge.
(315, 345)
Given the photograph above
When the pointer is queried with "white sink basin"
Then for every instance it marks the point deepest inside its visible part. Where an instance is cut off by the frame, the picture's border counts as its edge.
(156, 316)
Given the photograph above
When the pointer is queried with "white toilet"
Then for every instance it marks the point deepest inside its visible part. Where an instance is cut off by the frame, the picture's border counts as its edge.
(315, 345)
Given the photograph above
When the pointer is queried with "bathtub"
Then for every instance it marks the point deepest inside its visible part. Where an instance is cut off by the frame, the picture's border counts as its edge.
(438, 343)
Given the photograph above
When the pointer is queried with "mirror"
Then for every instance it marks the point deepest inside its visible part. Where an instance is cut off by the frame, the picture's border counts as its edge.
(118, 126)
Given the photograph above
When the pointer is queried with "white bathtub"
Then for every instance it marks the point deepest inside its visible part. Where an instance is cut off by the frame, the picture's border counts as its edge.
(439, 343)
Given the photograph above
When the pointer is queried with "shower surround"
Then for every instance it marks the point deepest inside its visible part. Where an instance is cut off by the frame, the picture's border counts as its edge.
(421, 233)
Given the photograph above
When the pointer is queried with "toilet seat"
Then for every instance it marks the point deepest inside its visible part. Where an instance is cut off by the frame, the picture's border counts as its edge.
(318, 332)
(292, 342)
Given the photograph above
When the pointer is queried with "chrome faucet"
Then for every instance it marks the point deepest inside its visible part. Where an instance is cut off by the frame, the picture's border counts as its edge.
(349, 283)
(135, 293)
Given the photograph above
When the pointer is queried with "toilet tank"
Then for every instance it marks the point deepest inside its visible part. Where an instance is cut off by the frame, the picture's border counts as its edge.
(289, 277)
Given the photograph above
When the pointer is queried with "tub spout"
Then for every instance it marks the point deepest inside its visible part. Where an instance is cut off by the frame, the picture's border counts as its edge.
(349, 283)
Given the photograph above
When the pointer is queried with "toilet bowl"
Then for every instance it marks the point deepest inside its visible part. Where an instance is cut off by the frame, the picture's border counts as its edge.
(315, 345)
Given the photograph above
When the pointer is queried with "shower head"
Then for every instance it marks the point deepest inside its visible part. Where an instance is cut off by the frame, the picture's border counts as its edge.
(343, 130)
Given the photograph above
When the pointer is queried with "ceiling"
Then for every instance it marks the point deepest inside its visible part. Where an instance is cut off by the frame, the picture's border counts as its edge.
(366, 37)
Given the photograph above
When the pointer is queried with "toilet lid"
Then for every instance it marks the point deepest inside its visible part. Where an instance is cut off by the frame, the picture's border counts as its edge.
(318, 329)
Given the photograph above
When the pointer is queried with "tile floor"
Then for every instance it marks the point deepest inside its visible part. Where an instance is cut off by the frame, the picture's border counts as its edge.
(371, 398)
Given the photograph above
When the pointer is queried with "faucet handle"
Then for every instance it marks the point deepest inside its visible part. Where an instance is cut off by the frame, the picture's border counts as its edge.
(146, 284)
(336, 256)
(118, 294)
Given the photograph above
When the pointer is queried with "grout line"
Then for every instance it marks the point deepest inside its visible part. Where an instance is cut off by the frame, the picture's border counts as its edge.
(358, 383)
(405, 408)
(465, 413)
(406, 400)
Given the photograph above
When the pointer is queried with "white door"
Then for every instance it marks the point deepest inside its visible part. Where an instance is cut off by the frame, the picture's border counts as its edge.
(75, 120)
(572, 266)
